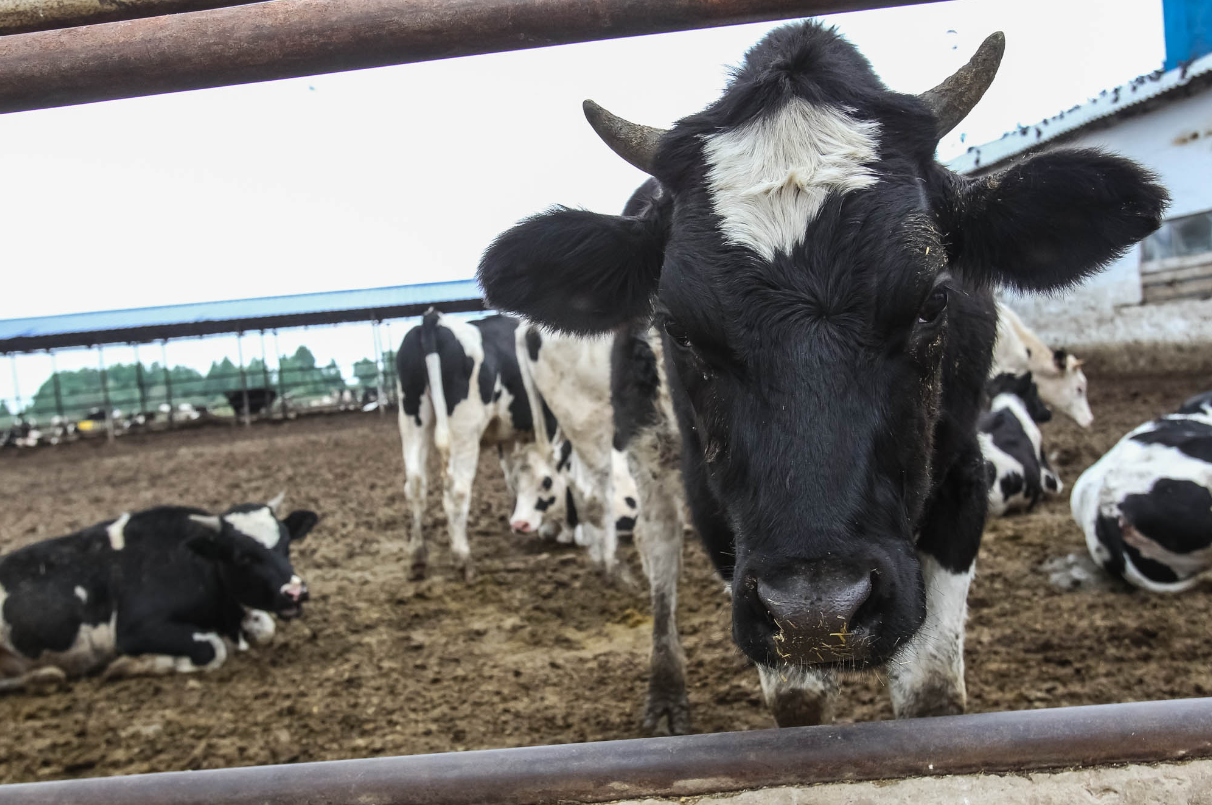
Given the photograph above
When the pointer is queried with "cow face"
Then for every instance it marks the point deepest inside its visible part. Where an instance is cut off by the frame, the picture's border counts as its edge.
(252, 548)
(538, 488)
(822, 287)
(1065, 385)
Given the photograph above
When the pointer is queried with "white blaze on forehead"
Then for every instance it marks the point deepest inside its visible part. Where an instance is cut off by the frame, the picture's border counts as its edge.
(260, 524)
(81, 593)
(117, 532)
(769, 178)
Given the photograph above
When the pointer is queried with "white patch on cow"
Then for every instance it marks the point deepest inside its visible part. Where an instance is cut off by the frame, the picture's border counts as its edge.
(260, 524)
(926, 677)
(258, 625)
(1012, 403)
(770, 177)
(117, 532)
(81, 593)
(93, 647)
(1132, 468)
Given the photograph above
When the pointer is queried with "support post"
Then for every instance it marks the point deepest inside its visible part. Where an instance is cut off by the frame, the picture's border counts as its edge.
(109, 411)
(268, 411)
(168, 384)
(374, 328)
(139, 380)
(243, 378)
(281, 377)
(16, 387)
(56, 386)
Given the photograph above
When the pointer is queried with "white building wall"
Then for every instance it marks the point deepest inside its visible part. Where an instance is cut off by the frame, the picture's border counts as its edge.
(1175, 141)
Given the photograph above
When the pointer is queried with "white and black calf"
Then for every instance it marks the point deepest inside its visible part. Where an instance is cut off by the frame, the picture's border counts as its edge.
(1015, 464)
(821, 286)
(1058, 374)
(168, 589)
(543, 486)
(460, 386)
(1146, 506)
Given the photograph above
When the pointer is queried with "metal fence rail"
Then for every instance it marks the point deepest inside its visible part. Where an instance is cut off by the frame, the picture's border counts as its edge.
(289, 38)
(685, 766)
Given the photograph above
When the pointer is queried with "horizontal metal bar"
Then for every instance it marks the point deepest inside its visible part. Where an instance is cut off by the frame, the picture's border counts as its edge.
(288, 38)
(19, 16)
(684, 766)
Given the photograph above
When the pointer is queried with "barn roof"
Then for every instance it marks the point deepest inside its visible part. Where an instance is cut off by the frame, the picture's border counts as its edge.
(140, 325)
(1122, 101)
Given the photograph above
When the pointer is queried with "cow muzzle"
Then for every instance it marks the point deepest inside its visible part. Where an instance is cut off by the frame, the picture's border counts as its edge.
(294, 593)
(817, 614)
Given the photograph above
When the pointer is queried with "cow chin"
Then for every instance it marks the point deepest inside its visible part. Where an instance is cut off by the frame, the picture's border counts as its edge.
(828, 614)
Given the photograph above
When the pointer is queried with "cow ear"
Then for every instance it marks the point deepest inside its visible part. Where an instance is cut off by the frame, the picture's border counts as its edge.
(1051, 221)
(576, 271)
(299, 523)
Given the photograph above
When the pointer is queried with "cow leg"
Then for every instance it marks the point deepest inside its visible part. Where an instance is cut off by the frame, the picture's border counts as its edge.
(416, 439)
(592, 487)
(456, 498)
(658, 537)
(798, 697)
(39, 681)
(926, 678)
(153, 649)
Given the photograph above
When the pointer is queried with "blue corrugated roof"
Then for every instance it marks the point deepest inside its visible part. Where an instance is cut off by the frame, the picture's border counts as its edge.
(234, 315)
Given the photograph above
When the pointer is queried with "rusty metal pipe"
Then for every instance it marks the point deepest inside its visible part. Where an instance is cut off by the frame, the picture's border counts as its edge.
(19, 16)
(686, 766)
(289, 38)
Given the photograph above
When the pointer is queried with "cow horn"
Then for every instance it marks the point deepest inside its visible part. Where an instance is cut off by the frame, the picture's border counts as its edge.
(952, 100)
(635, 143)
(208, 520)
(276, 501)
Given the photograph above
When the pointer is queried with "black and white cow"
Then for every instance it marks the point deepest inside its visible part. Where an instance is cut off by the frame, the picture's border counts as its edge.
(822, 289)
(1146, 506)
(460, 386)
(168, 589)
(1015, 464)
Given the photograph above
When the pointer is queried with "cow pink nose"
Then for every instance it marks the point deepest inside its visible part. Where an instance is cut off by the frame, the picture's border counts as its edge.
(520, 527)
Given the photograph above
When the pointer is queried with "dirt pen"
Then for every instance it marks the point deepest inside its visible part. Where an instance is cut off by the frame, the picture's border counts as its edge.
(538, 650)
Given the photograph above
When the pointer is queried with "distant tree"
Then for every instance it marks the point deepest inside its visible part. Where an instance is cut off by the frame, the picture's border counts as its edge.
(367, 374)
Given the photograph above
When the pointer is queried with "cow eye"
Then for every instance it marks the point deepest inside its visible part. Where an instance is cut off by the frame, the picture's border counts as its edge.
(676, 333)
(934, 307)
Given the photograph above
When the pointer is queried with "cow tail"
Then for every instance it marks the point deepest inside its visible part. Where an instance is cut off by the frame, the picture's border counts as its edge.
(433, 368)
(533, 398)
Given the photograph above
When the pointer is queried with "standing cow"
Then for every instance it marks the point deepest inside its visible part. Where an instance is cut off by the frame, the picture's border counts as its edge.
(1058, 374)
(459, 385)
(1016, 467)
(158, 591)
(1146, 506)
(822, 289)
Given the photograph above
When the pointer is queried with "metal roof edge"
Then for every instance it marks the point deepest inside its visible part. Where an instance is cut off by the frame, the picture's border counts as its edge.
(1108, 103)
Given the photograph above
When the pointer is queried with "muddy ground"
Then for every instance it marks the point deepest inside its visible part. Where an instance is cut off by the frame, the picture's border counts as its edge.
(537, 650)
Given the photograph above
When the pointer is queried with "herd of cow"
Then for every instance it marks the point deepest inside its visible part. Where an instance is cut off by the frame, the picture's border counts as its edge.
(789, 334)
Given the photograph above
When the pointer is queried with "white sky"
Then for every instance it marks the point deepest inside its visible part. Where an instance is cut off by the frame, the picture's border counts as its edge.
(404, 174)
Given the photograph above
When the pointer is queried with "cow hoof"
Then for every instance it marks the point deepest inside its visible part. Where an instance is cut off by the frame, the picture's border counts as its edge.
(44, 681)
(417, 571)
(668, 715)
(469, 572)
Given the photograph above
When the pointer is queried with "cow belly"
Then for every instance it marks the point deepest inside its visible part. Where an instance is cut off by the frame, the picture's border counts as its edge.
(94, 647)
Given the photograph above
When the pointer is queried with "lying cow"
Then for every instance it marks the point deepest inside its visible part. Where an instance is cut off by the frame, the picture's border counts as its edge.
(1146, 506)
(1058, 375)
(1015, 465)
(821, 289)
(460, 386)
(163, 590)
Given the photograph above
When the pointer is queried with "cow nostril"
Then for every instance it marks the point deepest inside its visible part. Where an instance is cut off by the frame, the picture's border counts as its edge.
(813, 615)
